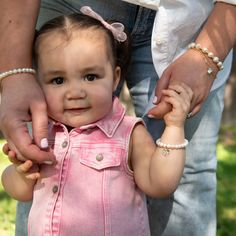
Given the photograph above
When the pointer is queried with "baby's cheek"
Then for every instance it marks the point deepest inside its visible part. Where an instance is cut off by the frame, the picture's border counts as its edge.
(54, 111)
(105, 92)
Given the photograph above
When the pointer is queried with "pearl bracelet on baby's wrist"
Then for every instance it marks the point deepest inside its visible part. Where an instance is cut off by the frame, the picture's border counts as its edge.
(167, 147)
(171, 146)
(5, 74)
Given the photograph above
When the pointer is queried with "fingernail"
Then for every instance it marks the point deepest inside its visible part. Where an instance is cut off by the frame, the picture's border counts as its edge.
(151, 116)
(48, 162)
(44, 143)
(154, 100)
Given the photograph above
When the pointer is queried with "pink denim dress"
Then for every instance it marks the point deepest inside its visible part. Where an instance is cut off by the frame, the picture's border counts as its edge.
(91, 190)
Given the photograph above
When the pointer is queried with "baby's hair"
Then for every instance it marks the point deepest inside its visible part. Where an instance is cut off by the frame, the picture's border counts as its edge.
(65, 24)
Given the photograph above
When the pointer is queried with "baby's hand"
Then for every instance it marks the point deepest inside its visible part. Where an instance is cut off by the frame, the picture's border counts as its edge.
(26, 168)
(179, 96)
(29, 170)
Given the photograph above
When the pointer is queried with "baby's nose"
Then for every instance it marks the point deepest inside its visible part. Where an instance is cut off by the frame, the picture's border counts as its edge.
(76, 92)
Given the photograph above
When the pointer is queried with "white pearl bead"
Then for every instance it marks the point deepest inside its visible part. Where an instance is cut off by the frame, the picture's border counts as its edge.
(210, 54)
(219, 64)
(205, 50)
(216, 59)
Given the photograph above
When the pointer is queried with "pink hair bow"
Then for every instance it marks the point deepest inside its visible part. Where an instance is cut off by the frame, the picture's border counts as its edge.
(116, 28)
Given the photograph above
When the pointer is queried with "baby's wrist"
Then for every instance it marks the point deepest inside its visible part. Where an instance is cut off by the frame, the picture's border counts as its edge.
(174, 134)
(176, 127)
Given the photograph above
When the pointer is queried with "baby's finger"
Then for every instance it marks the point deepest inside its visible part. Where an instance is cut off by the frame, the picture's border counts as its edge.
(178, 98)
(183, 90)
(24, 167)
(184, 94)
(173, 101)
(188, 90)
(179, 106)
(171, 93)
(33, 176)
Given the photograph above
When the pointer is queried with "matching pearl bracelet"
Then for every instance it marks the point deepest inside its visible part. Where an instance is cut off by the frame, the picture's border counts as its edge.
(208, 54)
(5, 74)
(167, 147)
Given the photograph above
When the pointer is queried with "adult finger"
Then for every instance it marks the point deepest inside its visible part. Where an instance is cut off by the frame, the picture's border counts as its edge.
(19, 95)
(162, 83)
(159, 110)
(13, 158)
(40, 123)
(196, 109)
(5, 148)
(28, 149)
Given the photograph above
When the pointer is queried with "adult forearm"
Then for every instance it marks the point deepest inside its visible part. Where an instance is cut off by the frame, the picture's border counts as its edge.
(219, 32)
(17, 24)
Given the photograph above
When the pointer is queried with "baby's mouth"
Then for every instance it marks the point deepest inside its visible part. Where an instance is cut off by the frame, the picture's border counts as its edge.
(77, 110)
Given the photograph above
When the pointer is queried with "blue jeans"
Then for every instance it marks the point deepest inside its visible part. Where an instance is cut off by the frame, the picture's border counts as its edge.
(192, 208)
(191, 211)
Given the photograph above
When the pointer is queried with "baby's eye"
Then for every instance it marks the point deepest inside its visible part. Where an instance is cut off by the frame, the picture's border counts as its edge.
(57, 80)
(90, 77)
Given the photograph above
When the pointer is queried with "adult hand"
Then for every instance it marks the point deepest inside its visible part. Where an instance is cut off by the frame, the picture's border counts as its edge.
(21, 101)
(191, 69)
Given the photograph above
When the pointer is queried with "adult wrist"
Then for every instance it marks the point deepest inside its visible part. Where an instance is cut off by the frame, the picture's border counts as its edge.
(212, 61)
(8, 73)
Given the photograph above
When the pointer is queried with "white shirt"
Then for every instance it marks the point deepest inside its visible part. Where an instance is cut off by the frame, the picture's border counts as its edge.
(171, 35)
(154, 4)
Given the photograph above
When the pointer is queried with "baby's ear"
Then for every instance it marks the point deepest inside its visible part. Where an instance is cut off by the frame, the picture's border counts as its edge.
(117, 74)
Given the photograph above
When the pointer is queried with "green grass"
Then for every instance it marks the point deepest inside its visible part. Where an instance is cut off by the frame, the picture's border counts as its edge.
(7, 205)
(226, 192)
(226, 176)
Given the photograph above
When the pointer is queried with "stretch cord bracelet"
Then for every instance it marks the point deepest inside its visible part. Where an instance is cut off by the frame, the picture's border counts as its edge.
(5, 74)
(207, 55)
(167, 147)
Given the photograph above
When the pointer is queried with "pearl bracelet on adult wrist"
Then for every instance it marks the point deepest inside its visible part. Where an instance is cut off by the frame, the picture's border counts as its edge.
(5, 74)
(207, 53)
(167, 147)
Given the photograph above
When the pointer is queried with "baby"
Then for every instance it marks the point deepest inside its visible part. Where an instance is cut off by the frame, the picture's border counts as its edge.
(106, 161)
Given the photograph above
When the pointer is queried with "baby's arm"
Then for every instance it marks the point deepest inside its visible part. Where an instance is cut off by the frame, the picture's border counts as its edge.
(19, 178)
(157, 171)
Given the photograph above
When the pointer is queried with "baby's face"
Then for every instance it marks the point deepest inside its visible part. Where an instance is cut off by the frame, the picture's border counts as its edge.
(77, 77)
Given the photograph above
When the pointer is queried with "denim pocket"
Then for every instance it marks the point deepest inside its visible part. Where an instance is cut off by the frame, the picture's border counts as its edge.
(101, 158)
